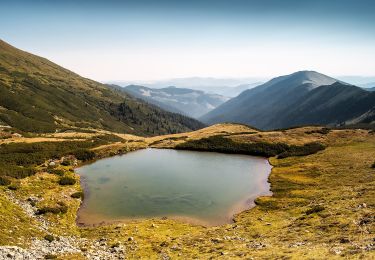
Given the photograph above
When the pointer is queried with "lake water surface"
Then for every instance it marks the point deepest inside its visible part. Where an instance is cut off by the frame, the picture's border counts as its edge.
(200, 187)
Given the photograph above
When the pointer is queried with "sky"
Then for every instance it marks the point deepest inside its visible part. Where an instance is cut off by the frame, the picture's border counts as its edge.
(151, 40)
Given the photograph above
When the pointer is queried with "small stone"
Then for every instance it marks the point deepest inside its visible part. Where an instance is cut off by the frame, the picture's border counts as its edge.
(216, 240)
(130, 238)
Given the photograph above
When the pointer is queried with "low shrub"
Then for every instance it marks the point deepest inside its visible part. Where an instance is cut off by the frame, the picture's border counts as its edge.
(15, 171)
(58, 172)
(77, 195)
(4, 181)
(66, 180)
(49, 238)
(373, 165)
(84, 154)
(66, 162)
(314, 209)
(303, 150)
(60, 208)
(50, 256)
(14, 186)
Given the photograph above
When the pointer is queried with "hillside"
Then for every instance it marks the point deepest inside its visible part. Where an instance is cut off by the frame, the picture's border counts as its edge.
(302, 98)
(37, 95)
(193, 103)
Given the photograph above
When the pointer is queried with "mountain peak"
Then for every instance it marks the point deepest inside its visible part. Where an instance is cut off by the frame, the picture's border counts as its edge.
(315, 79)
(295, 99)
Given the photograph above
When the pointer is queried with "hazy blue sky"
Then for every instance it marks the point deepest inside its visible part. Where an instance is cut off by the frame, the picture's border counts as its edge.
(127, 40)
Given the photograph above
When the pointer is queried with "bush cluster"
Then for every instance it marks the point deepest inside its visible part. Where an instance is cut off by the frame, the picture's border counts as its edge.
(219, 143)
(4, 181)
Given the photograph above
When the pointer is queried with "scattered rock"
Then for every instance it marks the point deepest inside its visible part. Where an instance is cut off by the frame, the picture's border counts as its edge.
(336, 250)
(176, 248)
(52, 164)
(257, 245)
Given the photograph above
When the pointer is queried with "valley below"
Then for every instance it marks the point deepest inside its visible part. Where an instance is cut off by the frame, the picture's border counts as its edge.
(322, 201)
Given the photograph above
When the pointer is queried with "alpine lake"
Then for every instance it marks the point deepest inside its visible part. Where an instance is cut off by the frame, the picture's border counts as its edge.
(203, 188)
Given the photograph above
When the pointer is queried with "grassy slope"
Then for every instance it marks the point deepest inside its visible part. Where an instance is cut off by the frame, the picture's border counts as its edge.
(339, 180)
(37, 95)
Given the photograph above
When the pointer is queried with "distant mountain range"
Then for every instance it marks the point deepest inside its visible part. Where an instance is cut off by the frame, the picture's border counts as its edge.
(302, 98)
(228, 87)
(368, 86)
(193, 103)
(37, 95)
